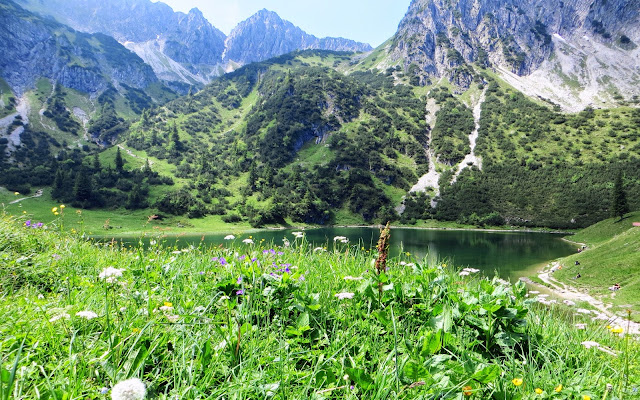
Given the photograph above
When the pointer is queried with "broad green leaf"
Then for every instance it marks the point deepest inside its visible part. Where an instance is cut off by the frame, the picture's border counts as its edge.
(432, 343)
(486, 373)
(415, 372)
(360, 377)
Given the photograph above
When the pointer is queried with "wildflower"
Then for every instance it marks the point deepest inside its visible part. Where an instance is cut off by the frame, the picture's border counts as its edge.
(86, 314)
(152, 242)
(352, 278)
(131, 389)
(467, 390)
(176, 252)
(240, 292)
(167, 307)
(464, 273)
(110, 274)
(135, 330)
(517, 381)
(617, 329)
(318, 249)
(301, 279)
(471, 270)
(247, 241)
(538, 391)
(558, 388)
(589, 344)
(229, 237)
(59, 316)
(585, 397)
(583, 311)
(56, 213)
(173, 318)
(104, 390)
(54, 210)
(569, 303)
(62, 206)
(16, 193)
(298, 235)
(239, 281)
(344, 295)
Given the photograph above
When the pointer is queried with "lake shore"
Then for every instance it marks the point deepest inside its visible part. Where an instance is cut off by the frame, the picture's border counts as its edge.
(571, 295)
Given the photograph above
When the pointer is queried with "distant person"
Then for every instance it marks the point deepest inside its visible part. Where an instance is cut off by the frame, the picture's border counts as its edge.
(615, 287)
(578, 276)
(577, 262)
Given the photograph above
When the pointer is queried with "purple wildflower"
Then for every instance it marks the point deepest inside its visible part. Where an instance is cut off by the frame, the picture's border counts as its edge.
(280, 253)
(240, 292)
(39, 225)
(27, 223)
(239, 281)
(301, 279)
(287, 270)
(214, 259)
(265, 251)
(241, 258)
(254, 259)
(223, 261)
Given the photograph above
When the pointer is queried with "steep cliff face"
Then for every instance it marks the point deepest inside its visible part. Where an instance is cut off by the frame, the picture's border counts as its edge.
(555, 49)
(265, 35)
(33, 48)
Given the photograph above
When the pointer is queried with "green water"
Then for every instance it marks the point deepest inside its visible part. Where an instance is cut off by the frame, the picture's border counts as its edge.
(510, 254)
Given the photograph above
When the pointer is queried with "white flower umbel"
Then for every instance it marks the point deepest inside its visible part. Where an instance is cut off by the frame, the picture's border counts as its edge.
(344, 295)
(298, 235)
(229, 237)
(86, 314)
(131, 389)
(589, 344)
(110, 274)
(59, 316)
(247, 241)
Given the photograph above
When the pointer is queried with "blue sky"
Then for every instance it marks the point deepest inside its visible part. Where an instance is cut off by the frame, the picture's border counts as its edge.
(369, 21)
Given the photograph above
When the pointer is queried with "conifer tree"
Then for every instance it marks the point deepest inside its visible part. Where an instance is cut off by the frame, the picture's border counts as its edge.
(83, 188)
(119, 161)
(620, 206)
(96, 163)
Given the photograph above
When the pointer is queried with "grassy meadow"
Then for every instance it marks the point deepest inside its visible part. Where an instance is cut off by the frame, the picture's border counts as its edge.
(249, 321)
(612, 256)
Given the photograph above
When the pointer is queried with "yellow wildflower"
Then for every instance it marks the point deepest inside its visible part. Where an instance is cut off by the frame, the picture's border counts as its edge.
(136, 330)
(585, 397)
(467, 390)
(517, 381)
(167, 304)
(617, 329)
(56, 213)
(16, 193)
(62, 206)
(558, 388)
(54, 210)
(538, 391)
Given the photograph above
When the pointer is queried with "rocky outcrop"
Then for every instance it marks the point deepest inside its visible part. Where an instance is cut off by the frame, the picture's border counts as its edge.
(33, 48)
(519, 40)
(265, 35)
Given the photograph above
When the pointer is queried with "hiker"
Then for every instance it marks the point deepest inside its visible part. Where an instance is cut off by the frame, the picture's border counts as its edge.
(578, 276)
(615, 287)
(577, 262)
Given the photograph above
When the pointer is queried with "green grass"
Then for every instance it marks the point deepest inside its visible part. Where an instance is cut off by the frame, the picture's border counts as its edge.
(176, 320)
(612, 256)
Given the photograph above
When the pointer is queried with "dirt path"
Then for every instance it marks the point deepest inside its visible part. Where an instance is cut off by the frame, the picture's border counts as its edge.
(572, 294)
(130, 153)
(37, 194)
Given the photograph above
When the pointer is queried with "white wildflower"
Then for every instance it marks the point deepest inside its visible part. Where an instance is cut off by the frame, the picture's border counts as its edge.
(229, 237)
(286, 242)
(173, 318)
(59, 316)
(110, 274)
(589, 344)
(353, 278)
(41, 296)
(471, 270)
(318, 249)
(152, 242)
(166, 308)
(534, 292)
(298, 235)
(344, 295)
(463, 273)
(581, 326)
(176, 252)
(569, 303)
(247, 241)
(131, 389)
(505, 283)
(339, 238)
(583, 311)
(86, 314)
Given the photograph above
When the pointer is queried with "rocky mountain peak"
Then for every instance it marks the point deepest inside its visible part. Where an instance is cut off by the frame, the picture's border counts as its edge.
(592, 46)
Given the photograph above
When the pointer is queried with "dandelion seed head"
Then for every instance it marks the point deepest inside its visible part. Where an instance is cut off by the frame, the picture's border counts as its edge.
(131, 389)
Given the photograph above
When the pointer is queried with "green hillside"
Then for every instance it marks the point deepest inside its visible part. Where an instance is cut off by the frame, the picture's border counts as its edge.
(612, 256)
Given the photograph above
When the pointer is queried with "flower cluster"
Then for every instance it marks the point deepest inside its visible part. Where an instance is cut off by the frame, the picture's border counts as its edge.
(110, 274)
(468, 271)
(341, 239)
(35, 225)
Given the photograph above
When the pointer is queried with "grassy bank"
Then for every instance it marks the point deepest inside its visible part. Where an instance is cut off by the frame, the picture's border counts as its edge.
(612, 256)
(285, 323)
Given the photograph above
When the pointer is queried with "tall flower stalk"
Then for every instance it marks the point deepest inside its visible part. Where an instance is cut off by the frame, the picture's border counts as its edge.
(381, 261)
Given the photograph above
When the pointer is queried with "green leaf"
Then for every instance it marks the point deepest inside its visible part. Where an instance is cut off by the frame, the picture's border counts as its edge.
(487, 287)
(486, 373)
(303, 320)
(360, 377)
(432, 343)
(415, 372)
(382, 317)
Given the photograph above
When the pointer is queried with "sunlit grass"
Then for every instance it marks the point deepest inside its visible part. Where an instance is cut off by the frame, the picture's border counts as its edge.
(249, 320)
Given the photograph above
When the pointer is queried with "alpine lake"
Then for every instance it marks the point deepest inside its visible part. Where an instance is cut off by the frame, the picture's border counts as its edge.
(509, 255)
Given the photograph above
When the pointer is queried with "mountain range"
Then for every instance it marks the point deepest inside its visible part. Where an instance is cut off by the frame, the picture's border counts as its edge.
(186, 47)
(476, 111)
